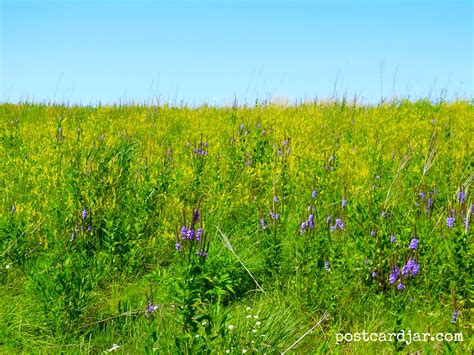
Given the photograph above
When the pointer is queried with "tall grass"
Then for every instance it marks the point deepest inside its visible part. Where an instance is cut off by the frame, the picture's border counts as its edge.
(355, 218)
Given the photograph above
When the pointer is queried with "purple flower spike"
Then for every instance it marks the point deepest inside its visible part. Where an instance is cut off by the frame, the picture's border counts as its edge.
(274, 215)
(328, 219)
(374, 274)
(413, 244)
(275, 199)
(344, 203)
(461, 196)
(450, 222)
(89, 228)
(262, 222)
(84, 214)
(178, 246)
(326, 265)
(199, 234)
(415, 268)
(400, 286)
(150, 309)
(394, 275)
(393, 239)
(73, 235)
(184, 232)
(314, 193)
(190, 234)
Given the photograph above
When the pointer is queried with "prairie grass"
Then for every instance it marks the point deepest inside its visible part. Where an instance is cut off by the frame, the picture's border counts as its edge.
(293, 216)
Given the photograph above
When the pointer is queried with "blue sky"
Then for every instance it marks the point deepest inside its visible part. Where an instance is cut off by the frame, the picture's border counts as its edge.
(210, 51)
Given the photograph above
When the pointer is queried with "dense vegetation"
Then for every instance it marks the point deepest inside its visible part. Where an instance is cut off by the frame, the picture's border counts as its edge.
(212, 229)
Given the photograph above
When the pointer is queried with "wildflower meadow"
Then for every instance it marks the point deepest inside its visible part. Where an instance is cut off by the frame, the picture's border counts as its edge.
(245, 229)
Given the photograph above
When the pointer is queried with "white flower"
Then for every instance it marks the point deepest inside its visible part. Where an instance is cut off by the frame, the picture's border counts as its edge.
(197, 335)
(227, 351)
(231, 326)
(248, 309)
(7, 266)
(204, 323)
(248, 316)
(255, 316)
(254, 330)
(258, 323)
(244, 350)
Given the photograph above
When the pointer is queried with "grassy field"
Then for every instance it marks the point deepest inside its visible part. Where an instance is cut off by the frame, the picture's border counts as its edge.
(230, 230)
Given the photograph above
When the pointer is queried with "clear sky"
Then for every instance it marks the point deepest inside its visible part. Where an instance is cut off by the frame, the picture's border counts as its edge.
(208, 51)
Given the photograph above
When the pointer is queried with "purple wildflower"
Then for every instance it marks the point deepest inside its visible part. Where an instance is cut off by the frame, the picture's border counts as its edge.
(374, 274)
(400, 286)
(407, 267)
(372, 233)
(150, 309)
(184, 232)
(394, 275)
(303, 227)
(338, 224)
(13, 209)
(178, 246)
(314, 193)
(413, 244)
(455, 317)
(199, 234)
(331, 159)
(328, 219)
(190, 234)
(311, 221)
(393, 239)
(202, 253)
(344, 203)
(378, 177)
(274, 215)
(461, 196)
(422, 195)
(326, 265)
(430, 202)
(242, 126)
(84, 214)
(275, 199)
(262, 222)
(285, 142)
(383, 214)
(89, 228)
(415, 269)
(450, 222)
(73, 235)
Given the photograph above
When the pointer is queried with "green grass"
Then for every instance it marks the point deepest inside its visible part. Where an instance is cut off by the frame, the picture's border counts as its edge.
(400, 166)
